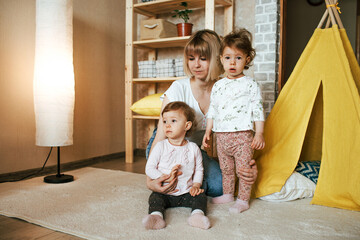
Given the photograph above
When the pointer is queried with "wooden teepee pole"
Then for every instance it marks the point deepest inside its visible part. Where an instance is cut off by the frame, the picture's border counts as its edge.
(332, 17)
(325, 16)
(335, 11)
(328, 21)
(331, 14)
(326, 13)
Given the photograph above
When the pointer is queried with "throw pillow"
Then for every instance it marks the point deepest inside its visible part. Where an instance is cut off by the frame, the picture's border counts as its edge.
(148, 106)
(309, 169)
(296, 187)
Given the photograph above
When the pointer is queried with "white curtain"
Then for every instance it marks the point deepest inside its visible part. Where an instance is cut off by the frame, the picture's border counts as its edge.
(54, 85)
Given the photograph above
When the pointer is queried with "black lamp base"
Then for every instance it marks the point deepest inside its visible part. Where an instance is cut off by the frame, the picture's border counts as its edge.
(58, 178)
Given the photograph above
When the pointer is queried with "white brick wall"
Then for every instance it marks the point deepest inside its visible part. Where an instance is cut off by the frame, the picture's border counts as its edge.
(266, 46)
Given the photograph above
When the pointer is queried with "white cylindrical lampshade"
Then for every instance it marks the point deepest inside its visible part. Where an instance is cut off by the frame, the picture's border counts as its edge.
(54, 85)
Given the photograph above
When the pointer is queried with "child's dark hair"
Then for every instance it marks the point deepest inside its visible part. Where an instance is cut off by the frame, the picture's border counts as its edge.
(240, 39)
(186, 110)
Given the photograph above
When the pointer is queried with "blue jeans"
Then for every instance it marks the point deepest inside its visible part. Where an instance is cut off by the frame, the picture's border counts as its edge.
(212, 183)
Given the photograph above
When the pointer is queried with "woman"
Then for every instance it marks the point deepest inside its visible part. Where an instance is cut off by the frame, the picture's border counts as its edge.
(202, 65)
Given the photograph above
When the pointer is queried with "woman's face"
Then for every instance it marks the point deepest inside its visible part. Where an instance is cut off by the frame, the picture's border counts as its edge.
(199, 66)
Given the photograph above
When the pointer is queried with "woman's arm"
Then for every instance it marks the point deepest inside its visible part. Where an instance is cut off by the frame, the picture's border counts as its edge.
(160, 135)
(156, 185)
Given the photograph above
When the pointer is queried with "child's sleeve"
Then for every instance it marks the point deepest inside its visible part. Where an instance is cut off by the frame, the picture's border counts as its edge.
(199, 170)
(151, 168)
(257, 103)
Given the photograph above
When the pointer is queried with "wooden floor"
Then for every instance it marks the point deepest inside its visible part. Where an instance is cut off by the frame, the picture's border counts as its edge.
(13, 229)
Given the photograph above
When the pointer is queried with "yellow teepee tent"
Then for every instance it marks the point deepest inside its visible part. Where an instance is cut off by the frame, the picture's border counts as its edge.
(317, 117)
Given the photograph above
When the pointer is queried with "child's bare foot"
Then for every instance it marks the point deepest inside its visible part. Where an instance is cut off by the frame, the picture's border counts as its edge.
(239, 206)
(225, 198)
(153, 222)
(199, 220)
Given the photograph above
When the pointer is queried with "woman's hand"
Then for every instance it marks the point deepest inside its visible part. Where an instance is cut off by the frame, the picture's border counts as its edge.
(196, 190)
(249, 175)
(157, 185)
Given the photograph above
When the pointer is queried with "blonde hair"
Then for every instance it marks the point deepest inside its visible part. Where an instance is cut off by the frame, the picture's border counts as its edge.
(205, 43)
(240, 39)
(188, 112)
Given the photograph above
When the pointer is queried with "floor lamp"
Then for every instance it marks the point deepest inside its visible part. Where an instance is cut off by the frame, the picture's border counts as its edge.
(54, 84)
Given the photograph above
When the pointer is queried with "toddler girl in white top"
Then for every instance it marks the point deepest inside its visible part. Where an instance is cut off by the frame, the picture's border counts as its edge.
(172, 156)
(235, 105)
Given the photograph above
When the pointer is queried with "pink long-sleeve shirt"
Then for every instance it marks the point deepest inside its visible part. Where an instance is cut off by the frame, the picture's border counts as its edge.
(165, 156)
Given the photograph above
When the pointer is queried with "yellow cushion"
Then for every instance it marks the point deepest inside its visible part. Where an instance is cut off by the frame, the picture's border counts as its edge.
(148, 106)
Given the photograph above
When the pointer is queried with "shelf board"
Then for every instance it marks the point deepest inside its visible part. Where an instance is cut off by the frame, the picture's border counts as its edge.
(166, 6)
(145, 117)
(156, 80)
(162, 42)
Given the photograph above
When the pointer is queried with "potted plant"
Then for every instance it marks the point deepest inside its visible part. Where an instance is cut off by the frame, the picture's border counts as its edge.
(185, 28)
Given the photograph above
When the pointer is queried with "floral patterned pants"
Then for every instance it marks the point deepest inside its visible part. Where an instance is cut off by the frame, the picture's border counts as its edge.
(234, 152)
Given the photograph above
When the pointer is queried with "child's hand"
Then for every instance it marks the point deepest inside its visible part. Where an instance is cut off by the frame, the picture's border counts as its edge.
(258, 141)
(174, 173)
(205, 139)
(196, 190)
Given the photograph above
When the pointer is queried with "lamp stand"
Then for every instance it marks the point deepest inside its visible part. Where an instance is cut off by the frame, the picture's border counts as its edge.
(58, 178)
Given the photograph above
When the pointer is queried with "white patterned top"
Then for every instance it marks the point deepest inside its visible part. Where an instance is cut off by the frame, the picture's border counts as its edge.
(235, 104)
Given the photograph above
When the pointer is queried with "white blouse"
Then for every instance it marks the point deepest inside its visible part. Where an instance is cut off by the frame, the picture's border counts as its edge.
(180, 90)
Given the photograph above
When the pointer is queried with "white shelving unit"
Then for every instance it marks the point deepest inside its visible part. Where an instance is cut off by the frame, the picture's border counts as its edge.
(151, 10)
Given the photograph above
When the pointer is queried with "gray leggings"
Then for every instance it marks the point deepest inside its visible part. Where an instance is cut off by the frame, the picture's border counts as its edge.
(158, 202)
